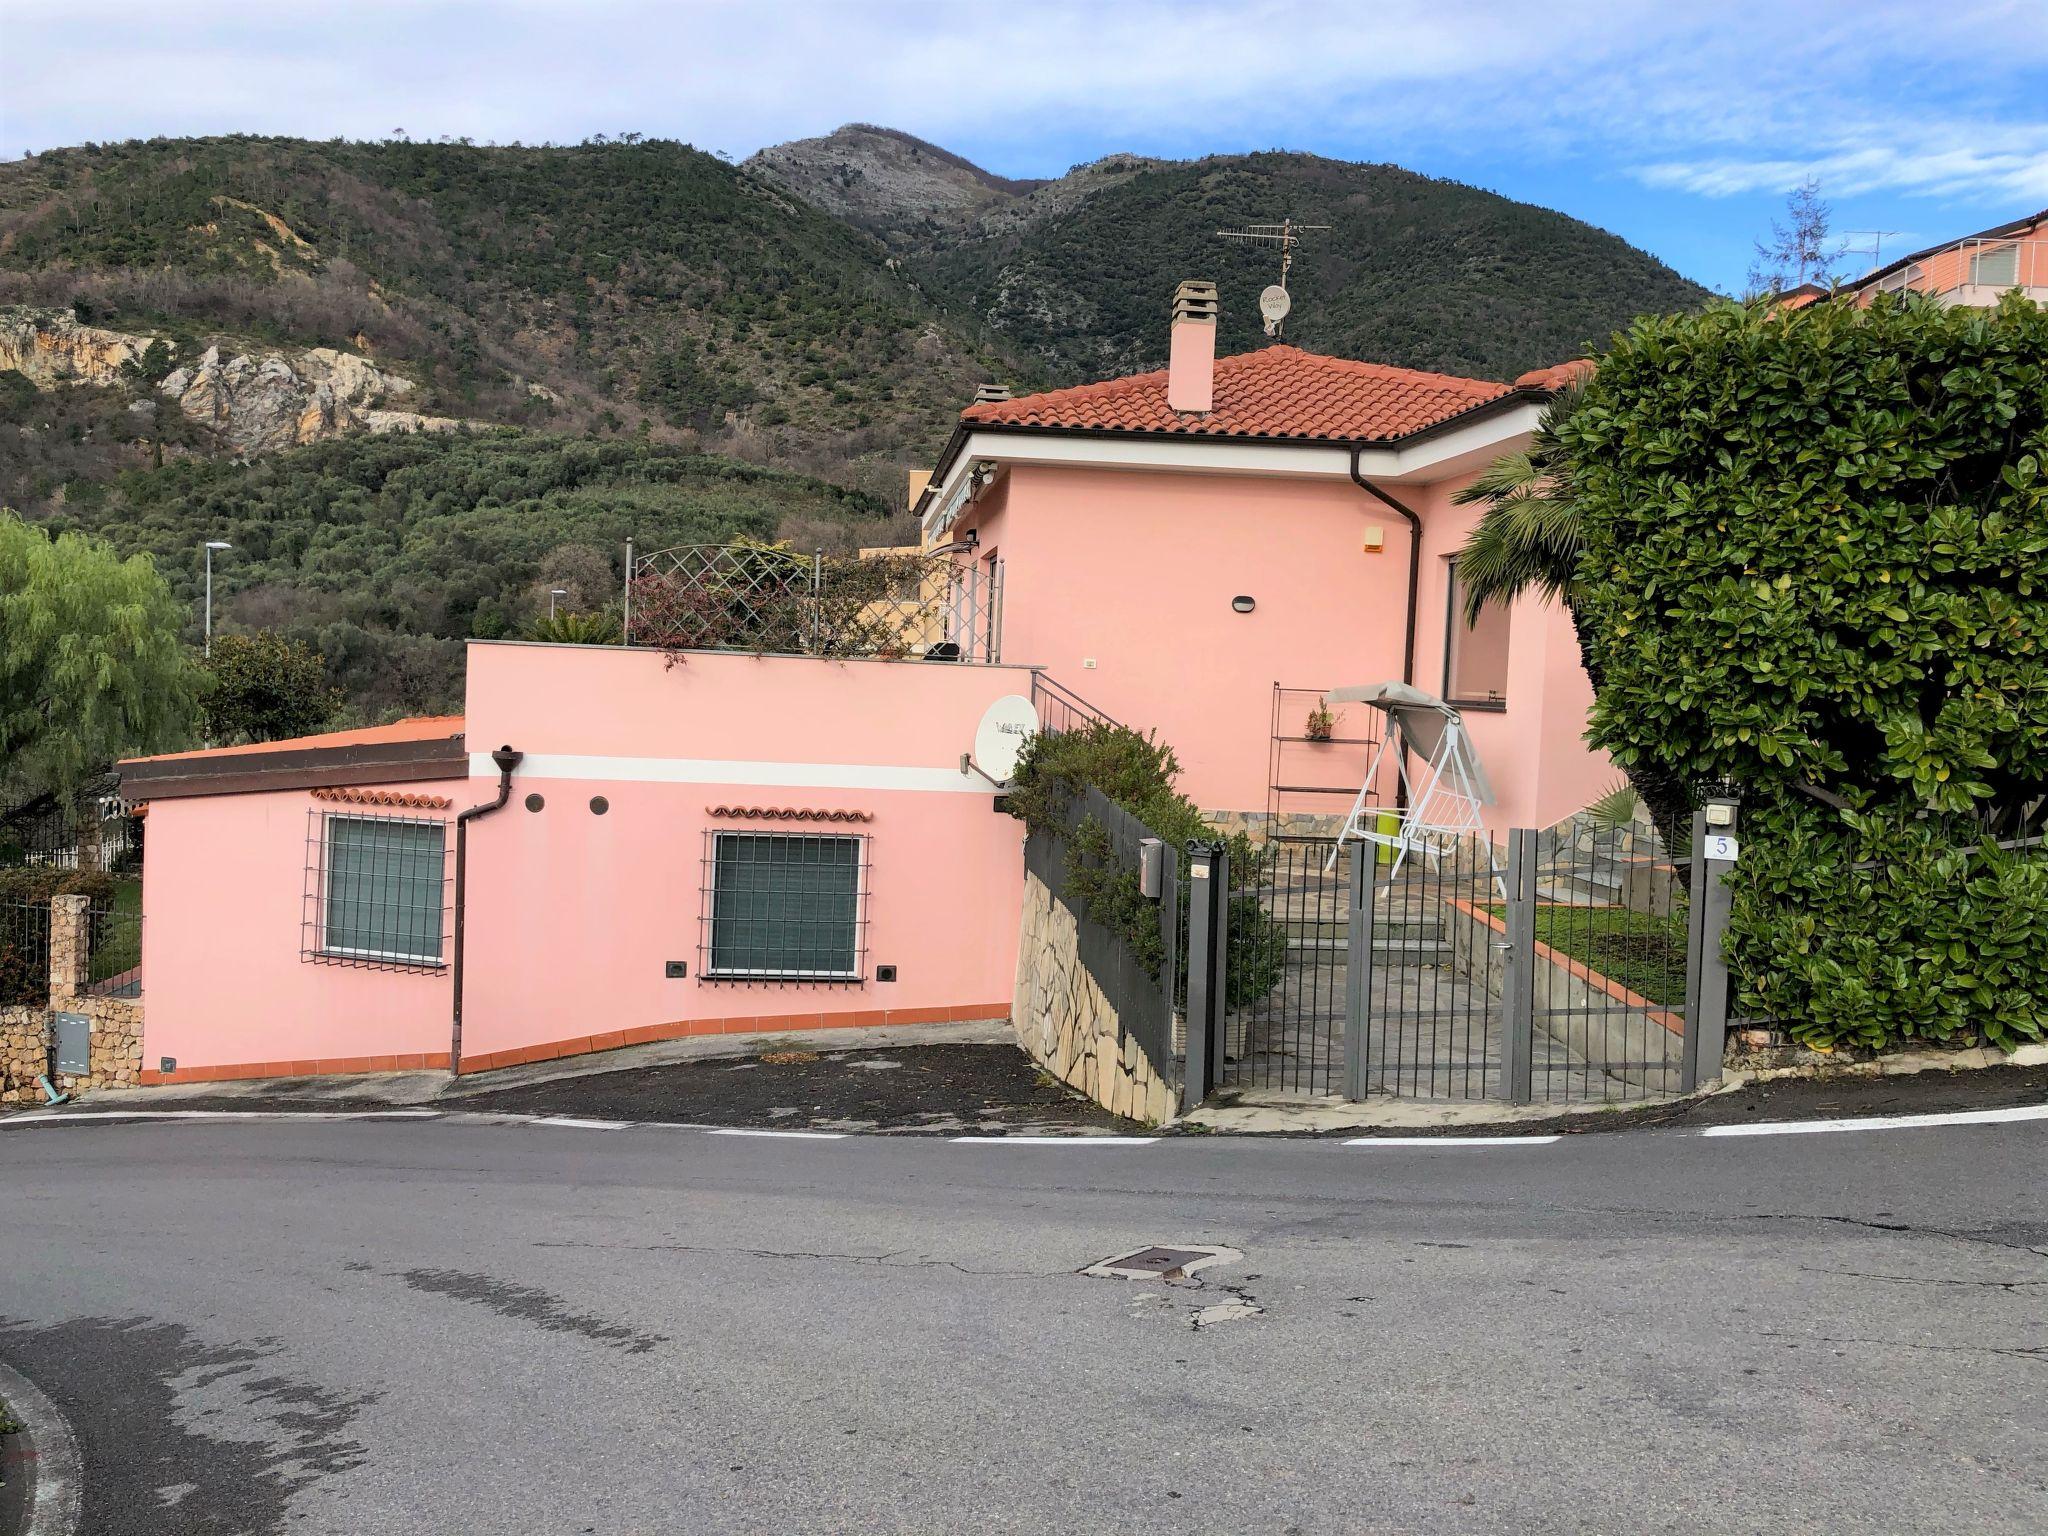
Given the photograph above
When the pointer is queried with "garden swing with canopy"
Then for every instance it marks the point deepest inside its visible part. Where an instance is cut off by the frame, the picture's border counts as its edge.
(1442, 798)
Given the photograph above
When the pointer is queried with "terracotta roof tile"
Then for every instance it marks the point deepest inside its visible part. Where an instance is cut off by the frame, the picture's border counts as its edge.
(1557, 376)
(1275, 392)
(391, 797)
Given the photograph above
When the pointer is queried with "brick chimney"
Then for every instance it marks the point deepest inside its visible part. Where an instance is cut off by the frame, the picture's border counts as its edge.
(991, 394)
(1191, 349)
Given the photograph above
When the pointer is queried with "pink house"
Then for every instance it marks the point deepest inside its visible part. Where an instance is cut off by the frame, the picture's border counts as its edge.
(616, 844)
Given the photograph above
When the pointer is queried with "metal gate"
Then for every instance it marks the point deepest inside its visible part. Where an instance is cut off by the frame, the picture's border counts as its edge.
(1554, 969)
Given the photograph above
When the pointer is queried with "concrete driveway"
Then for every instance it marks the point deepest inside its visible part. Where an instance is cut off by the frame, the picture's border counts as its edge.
(432, 1325)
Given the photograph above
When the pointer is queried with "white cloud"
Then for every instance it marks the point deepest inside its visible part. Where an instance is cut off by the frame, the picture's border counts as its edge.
(1740, 97)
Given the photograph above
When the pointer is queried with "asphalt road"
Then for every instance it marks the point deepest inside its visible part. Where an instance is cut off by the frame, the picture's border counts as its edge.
(436, 1326)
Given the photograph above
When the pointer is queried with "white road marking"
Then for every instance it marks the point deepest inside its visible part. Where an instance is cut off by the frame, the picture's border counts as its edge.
(1451, 1143)
(1885, 1122)
(734, 1130)
(576, 1123)
(51, 1118)
(1057, 1141)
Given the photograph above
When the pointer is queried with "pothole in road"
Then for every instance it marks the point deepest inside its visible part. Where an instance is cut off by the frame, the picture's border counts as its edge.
(1176, 1265)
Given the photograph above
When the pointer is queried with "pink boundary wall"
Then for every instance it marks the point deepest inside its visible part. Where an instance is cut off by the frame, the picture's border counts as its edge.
(572, 914)
(1136, 570)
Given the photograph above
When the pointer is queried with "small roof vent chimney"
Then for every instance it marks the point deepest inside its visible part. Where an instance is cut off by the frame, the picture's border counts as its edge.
(1195, 300)
(1191, 349)
(989, 394)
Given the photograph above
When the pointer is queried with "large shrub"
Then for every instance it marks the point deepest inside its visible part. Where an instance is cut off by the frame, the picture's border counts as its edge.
(1137, 773)
(1813, 553)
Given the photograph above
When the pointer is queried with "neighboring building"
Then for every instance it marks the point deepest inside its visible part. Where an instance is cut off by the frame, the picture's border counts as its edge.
(1974, 271)
(716, 841)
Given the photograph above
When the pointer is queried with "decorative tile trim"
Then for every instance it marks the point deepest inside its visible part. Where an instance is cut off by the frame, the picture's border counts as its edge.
(391, 797)
(783, 813)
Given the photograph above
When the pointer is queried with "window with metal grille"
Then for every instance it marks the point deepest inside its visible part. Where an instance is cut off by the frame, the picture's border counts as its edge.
(376, 890)
(784, 907)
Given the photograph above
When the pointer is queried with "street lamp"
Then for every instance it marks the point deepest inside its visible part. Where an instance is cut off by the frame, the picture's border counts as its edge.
(211, 546)
(553, 593)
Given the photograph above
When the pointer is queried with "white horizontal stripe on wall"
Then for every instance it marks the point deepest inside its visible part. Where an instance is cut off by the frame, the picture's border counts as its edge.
(710, 770)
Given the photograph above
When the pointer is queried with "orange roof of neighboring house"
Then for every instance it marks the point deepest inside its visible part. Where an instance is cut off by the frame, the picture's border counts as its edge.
(1275, 392)
(417, 728)
(1558, 376)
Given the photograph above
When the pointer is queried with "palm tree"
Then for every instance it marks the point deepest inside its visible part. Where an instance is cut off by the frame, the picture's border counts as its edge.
(1530, 539)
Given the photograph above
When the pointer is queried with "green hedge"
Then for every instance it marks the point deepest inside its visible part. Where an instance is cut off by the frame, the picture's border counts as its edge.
(1137, 773)
(1814, 566)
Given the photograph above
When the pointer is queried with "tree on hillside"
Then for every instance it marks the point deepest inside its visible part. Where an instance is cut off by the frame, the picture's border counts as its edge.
(263, 687)
(1529, 539)
(91, 667)
(1799, 250)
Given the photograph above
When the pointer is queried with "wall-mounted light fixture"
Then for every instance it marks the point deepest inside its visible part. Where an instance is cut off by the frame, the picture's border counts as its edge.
(1243, 604)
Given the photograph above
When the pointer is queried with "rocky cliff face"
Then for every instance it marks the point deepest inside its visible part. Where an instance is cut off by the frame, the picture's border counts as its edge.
(258, 402)
(49, 347)
(889, 183)
(254, 401)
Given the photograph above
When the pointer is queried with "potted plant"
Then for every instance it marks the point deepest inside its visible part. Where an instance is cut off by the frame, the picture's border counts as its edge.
(1322, 723)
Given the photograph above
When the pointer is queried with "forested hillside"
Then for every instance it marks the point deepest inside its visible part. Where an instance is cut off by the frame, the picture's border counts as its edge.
(1415, 271)
(383, 553)
(628, 281)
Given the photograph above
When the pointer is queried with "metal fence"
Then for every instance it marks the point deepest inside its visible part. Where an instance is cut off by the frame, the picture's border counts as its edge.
(1132, 944)
(24, 953)
(1060, 709)
(1553, 969)
(753, 597)
(114, 949)
(91, 830)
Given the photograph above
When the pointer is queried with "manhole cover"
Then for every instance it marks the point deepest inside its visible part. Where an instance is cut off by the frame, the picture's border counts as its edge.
(1158, 1262)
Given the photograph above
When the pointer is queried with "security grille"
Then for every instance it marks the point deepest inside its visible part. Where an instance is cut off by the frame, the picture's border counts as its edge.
(784, 907)
(376, 891)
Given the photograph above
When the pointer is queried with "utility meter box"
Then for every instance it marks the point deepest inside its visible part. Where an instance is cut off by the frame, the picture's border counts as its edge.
(1151, 868)
(73, 1032)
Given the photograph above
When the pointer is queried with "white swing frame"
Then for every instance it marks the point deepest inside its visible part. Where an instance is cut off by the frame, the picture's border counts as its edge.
(1443, 800)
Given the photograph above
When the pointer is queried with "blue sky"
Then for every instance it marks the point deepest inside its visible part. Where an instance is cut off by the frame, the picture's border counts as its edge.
(1680, 126)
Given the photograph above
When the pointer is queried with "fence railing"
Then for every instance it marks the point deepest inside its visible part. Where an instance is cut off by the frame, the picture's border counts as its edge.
(760, 598)
(24, 953)
(1060, 709)
(114, 950)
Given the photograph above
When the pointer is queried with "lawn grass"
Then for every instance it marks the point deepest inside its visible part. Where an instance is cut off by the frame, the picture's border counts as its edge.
(1643, 953)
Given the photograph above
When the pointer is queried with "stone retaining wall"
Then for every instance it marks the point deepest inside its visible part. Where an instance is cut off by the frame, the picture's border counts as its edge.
(115, 1024)
(1065, 1023)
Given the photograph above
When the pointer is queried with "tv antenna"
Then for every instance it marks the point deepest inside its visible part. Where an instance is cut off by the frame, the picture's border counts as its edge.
(1274, 301)
(1875, 249)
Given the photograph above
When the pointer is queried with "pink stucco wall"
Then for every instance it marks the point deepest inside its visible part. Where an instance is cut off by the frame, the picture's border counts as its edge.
(1136, 571)
(573, 914)
(224, 897)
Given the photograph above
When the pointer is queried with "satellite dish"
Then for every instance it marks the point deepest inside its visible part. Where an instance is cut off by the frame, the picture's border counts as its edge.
(999, 740)
(1274, 303)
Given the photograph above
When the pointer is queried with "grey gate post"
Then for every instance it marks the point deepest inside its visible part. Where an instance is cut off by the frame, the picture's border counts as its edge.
(1706, 968)
(1208, 877)
(1358, 967)
(1518, 971)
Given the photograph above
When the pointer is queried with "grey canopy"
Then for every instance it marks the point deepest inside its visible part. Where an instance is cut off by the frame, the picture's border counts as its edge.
(1423, 720)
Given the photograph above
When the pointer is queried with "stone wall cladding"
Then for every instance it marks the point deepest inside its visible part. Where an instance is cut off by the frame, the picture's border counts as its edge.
(1065, 1023)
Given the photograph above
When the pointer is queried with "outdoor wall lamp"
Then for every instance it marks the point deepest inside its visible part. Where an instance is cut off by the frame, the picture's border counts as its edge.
(1243, 604)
